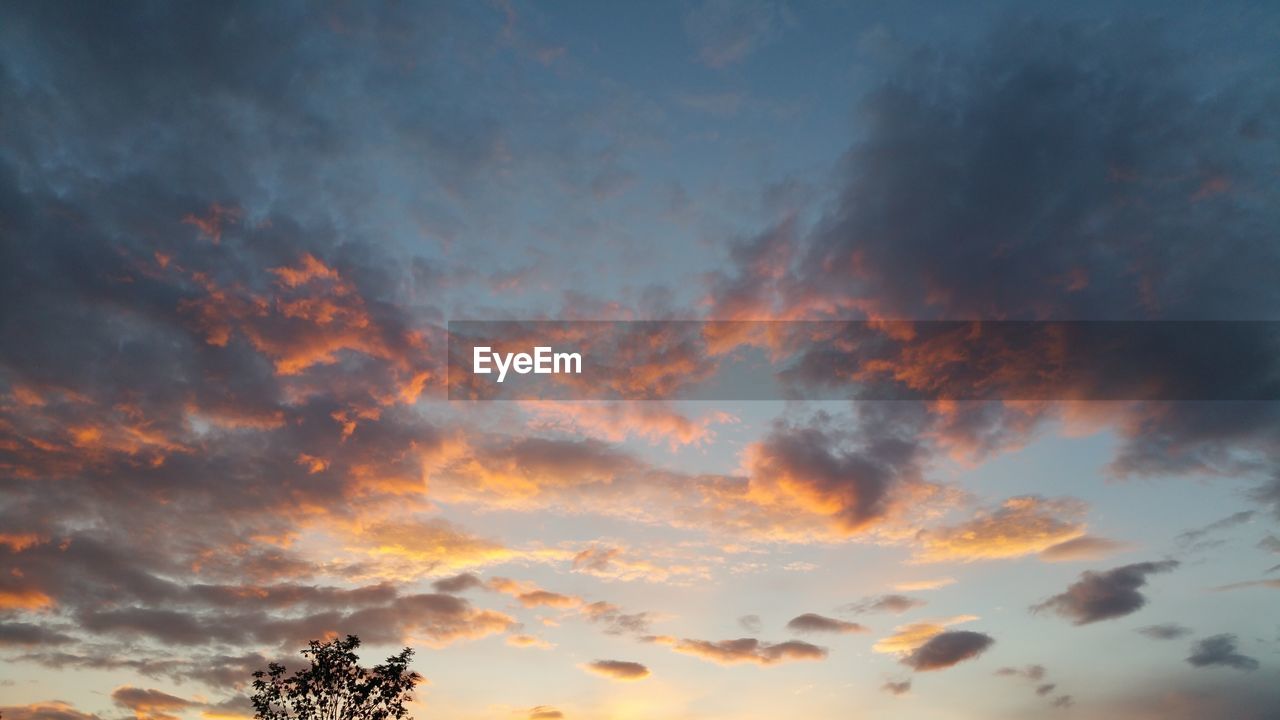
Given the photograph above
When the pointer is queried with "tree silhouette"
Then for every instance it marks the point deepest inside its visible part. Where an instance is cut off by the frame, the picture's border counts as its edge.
(335, 687)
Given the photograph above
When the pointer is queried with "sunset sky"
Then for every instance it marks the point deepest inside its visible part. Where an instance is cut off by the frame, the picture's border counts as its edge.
(233, 235)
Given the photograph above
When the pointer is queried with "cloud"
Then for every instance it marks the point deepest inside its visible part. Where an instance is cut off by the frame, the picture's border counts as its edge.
(615, 621)
(897, 688)
(1249, 584)
(744, 650)
(910, 637)
(948, 648)
(150, 704)
(750, 623)
(457, 583)
(854, 481)
(1030, 672)
(654, 421)
(1086, 547)
(725, 33)
(20, 633)
(922, 585)
(1220, 650)
(49, 710)
(1105, 595)
(896, 604)
(531, 596)
(813, 623)
(1165, 631)
(1192, 538)
(1270, 543)
(618, 563)
(1019, 526)
(544, 712)
(618, 669)
(528, 641)
(1078, 137)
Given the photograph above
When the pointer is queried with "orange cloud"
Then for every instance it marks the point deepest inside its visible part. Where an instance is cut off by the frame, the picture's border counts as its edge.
(654, 421)
(921, 585)
(17, 542)
(48, 710)
(529, 641)
(1085, 547)
(1020, 526)
(23, 599)
(211, 223)
(531, 596)
(907, 638)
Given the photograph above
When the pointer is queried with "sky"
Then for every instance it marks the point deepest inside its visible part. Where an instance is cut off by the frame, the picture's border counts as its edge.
(232, 236)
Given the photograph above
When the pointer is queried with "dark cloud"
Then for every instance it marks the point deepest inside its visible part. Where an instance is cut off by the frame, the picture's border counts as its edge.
(948, 648)
(614, 620)
(1196, 536)
(858, 474)
(1037, 675)
(813, 623)
(457, 583)
(1057, 171)
(1165, 631)
(1030, 672)
(150, 704)
(1270, 543)
(18, 633)
(1220, 650)
(744, 650)
(618, 669)
(1268, 495)
(1105, 595)
(897, 688)
(896, 604)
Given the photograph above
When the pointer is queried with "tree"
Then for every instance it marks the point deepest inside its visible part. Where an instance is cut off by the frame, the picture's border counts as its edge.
(335, 687)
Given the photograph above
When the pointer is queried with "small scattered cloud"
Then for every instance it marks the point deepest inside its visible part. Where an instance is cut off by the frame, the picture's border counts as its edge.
(1085, 547)
(617, 669)
(1164, 631)
(1030, 672)
(897, 688)
(896, 604)
(750, 623)
(907, 638)
(529, 641)
(1249, 584)
(457, 583)
(1270, 543)
(923, 585)
(1196, 538)
(1220, 650)
(814, 623)
(1020, 526)
(1105, 595)
(947, 649)
(743, 650)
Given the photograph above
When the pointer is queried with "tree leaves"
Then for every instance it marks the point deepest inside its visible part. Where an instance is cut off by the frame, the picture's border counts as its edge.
(335, 686)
